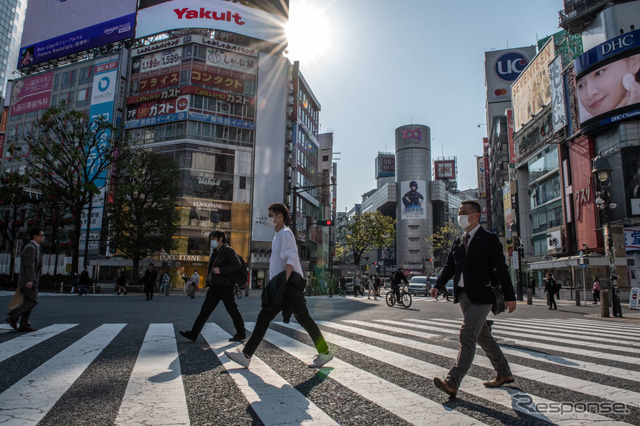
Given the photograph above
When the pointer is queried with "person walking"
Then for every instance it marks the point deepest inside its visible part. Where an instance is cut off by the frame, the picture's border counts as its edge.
(376, 284)
(185, 278)
(371, 287)
(550, 289)
(284, 293)
(28, 281)
(83, 282)
(596, 290)
(475, 260)
(398, 278)
(165, 283)
(194, 281)
(343, 286)
(220, 278)
(356, 285)
(122, 282)
(149, 280)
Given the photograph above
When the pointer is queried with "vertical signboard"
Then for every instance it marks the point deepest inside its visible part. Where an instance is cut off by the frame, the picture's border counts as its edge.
(558, 109)
(511, 142)
(482, 193)
(103, 93)
(502, 68)
(487, 178)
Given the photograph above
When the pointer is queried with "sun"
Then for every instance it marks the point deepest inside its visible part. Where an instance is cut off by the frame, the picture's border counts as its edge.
(309, 30)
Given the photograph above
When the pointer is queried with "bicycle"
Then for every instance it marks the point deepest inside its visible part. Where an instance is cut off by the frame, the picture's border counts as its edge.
(237, 291)
(405, 298)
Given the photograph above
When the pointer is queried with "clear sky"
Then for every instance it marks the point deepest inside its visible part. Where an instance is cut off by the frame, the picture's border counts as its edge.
(376, 65)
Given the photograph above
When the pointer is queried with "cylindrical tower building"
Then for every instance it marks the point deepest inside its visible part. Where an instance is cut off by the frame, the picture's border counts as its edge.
(413, 179)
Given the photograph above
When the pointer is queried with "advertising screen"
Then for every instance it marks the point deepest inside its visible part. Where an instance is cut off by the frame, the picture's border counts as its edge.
(445, 169)
(385, 165)
(32, 93)
(607, 81)
(631, 172)
(261, 19)
(53, 29)
(412, 199)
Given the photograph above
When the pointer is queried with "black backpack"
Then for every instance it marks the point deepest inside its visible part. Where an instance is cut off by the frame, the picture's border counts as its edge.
(240, 276)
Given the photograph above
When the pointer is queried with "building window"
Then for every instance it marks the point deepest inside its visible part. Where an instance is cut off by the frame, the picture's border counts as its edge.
(243, 182)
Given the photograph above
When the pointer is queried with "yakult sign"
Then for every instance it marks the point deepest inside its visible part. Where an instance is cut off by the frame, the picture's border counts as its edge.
(502, 67)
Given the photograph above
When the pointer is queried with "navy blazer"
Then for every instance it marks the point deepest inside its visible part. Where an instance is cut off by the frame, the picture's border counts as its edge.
(483, 263)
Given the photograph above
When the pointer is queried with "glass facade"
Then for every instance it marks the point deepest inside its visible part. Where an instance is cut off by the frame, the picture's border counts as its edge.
(545, 198)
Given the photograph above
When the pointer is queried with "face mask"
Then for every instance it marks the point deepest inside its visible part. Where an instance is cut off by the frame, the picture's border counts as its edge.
(271, 222)
(463, 221)
(214, 245)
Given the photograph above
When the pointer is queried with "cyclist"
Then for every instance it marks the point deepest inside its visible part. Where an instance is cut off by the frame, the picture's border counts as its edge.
(396, 279)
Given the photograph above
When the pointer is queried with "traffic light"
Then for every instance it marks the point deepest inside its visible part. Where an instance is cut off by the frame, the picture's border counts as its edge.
(325, 222)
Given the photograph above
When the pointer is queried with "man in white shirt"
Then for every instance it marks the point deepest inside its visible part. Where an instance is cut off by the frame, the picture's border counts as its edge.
(284, 258)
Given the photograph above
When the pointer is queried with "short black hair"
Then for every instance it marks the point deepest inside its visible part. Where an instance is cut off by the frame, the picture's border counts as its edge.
(475, 206)
(34, 232)
(279, 208)
(217, 233)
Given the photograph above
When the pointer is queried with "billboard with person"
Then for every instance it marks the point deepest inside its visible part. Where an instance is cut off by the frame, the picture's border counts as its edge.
(413, 202)
(53, 29)
(260, 19)
(607, 80)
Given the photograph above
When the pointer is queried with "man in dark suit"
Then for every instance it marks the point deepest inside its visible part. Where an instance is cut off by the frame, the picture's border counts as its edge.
(149, 280)
(30, 269)
(475, 260)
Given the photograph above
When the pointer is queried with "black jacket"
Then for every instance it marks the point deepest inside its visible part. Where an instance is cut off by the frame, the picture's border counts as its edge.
(150, 277)
(283, 295)
(225, 258)
(482, 263)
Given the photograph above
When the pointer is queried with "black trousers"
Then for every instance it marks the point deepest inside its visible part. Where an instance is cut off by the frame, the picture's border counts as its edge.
(301, 314)
(214, 295)
(22, 312)
(551, 301)
(148, 289)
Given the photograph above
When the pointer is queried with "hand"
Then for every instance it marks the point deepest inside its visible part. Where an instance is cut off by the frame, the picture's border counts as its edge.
(29, 284)
(216, 270)
(510, 305)
(434, 292)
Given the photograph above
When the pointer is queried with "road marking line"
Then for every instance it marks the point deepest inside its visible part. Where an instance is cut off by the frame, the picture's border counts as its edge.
(28, 340)
(399, 401)
(29, 400)
(503, 396)
(534, 374)
(602, 325)
(155, 392)
(561, 326)
(272, 397)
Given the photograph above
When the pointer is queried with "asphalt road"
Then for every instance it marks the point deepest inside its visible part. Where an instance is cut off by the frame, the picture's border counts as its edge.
(107, 359)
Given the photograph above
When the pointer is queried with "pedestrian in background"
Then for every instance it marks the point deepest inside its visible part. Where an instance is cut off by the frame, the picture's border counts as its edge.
(356, 285)
(596, 290)
(149, 281)
(194, 281)
(550, 289)
(83, 282)
(377, 282)
(28, 281)
(165, 283)
(122, 282)
(371, 287)
(475, 261)
(397, 279)
(185, 278)
(220, 278)
(343, 286)
(284, 293)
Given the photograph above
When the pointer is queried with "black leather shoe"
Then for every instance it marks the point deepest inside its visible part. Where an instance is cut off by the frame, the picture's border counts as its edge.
(445, 387)
(27, 329)
(499, 381)
(13, 323)
(189, 335)
(237, 338)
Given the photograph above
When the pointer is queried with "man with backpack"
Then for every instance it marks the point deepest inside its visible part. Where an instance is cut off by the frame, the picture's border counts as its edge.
(550, 288)
(223, 272)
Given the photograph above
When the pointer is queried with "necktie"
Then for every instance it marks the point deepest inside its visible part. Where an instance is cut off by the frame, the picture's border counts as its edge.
(466, 242)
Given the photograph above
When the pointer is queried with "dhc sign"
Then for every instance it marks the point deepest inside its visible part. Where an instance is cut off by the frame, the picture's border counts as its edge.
(509, 65)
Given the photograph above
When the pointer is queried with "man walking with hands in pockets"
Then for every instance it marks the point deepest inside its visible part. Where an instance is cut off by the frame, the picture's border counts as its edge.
(475, 261)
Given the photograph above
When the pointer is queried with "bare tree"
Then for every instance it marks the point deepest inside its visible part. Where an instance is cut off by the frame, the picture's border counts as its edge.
(14, 203)
(365, 232)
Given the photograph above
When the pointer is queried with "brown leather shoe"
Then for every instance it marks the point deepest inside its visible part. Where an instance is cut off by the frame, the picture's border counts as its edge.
(445, 387)
(27, 329)
(499, 381)
(13, 323)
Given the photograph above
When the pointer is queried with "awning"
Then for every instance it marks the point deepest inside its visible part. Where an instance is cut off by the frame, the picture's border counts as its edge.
(574, 261)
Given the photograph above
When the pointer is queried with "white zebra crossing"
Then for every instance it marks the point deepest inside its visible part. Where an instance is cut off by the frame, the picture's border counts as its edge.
(157, 377)
(573, 328)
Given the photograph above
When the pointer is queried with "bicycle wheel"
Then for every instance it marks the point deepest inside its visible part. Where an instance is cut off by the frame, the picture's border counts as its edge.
(239, 294)
(391, 300)
(405, 300)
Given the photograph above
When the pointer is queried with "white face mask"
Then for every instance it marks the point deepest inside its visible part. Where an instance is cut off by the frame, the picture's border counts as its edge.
(214, 244)
(463, 221)
(271, 222)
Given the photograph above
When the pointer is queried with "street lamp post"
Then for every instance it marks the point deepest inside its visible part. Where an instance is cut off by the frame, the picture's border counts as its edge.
(602, 171)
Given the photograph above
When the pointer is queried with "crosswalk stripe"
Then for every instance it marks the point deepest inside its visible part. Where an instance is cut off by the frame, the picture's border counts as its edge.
(26, 341)
(399, 401)
(555, 348)
(535, 355)
(272, 398)
(533, 334)
(504, 396)
(617, 325)
(28, 400)
(574, 328)
(155, 392)
(534, 374)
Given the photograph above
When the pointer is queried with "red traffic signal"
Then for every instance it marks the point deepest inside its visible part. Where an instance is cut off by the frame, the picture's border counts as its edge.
(325, 222)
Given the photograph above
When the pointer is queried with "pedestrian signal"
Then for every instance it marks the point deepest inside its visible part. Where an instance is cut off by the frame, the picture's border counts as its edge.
(325, 222)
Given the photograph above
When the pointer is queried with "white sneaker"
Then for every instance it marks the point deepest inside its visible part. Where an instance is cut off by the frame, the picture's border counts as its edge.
(320, 360)
(238, 357)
